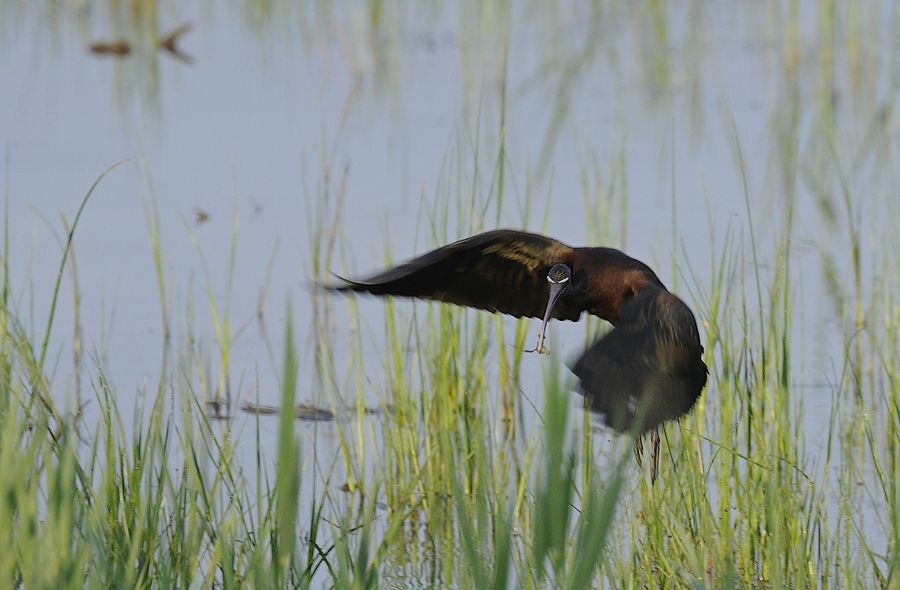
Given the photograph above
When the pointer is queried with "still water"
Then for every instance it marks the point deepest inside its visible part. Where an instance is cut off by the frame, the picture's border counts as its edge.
(676, 140)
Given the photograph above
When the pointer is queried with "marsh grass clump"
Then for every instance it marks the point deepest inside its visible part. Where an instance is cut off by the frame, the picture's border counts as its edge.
(164, 499)
(469, 476)
(472, 472)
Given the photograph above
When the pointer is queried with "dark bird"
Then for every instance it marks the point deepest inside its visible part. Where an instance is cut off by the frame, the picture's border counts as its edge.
(647, 370)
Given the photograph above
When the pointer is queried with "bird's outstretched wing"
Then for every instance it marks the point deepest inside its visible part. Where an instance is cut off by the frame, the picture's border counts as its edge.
(648, 369)
(500, 271)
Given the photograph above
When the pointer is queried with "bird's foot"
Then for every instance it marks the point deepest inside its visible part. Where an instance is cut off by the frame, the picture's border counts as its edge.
(540, 349)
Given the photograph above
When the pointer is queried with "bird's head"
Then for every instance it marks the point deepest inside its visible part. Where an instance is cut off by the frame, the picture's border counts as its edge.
(559, 278)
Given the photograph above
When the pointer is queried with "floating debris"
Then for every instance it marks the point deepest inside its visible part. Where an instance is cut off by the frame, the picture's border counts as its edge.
(120, 47)
(302, 411)
(251, 408)
(308, 412)
(305, 412)
(221, 410)
(169, 43)
(200, 216)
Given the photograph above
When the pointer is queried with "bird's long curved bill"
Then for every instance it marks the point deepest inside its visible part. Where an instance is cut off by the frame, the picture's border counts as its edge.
(556, 289)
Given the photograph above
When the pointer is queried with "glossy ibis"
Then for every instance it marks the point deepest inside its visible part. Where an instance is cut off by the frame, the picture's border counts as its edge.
(646, 370)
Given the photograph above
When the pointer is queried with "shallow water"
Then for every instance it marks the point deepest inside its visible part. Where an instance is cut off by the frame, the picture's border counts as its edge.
(640, 133)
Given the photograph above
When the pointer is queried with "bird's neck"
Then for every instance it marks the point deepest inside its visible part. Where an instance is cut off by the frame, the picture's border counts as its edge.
(604, 295)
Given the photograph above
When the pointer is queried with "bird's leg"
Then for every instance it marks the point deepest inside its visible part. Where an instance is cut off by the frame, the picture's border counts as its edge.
(654, 455)
(639, 450)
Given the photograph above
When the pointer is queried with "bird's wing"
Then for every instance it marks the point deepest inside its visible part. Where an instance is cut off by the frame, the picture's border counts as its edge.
(500, 271)
(648, 369)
